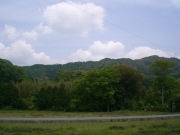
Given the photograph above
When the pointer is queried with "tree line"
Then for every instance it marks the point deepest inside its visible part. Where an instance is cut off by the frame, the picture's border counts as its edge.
(49, 71)
(110, 88)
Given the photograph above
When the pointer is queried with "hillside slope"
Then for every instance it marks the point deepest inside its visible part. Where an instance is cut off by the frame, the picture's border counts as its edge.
(143, 65)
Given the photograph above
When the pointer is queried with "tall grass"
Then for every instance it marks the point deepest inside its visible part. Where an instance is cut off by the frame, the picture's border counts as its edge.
(20, 113)
(158, 127)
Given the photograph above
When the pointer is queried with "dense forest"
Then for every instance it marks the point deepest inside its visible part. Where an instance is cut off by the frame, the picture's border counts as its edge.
(49, 71)
(149, 84)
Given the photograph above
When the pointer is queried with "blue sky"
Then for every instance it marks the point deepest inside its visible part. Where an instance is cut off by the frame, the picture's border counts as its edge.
(57, 31)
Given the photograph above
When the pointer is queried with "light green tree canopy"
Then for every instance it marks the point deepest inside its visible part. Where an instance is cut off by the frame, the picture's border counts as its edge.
(161, 68)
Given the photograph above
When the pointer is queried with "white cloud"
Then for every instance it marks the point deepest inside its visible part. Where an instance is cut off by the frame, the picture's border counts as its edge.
(21, 53)
(44, 29)
(111, 49)
(11, 32)
(98, 51)
(30, 35)
(143, 51)
(69, 17)
(178, 56)
(83, 55)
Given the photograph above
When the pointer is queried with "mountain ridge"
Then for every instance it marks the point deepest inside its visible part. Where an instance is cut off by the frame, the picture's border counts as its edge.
(48, 71)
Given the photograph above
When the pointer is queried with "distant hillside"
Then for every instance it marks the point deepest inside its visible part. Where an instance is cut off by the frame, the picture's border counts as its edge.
(143, 65)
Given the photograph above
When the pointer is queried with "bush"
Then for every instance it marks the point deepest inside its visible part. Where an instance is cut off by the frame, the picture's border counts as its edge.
(140, 105)
(132, 105)
(177, 105)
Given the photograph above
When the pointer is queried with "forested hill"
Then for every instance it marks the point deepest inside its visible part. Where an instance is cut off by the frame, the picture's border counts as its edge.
(49, 71)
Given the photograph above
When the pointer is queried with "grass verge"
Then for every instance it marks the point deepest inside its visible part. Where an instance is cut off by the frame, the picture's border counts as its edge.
(158, 127)
(20, 113)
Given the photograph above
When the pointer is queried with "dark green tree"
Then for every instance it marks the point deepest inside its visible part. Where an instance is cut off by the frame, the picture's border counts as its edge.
(46, 98)
(176, 96)
(10, 73)
(61, 98)
(128, 86)
(42, 99)
(9, 96)
(7, 71)
(162, 68)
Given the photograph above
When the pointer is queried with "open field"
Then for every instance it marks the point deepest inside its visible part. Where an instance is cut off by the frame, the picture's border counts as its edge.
(158, 127)
(153, 127)
(54, 114)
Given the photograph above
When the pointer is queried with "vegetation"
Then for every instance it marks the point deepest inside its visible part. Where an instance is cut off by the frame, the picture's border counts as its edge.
(99, 88)
(158, 127)
(54, 114)
(162, 68)
(48, 72)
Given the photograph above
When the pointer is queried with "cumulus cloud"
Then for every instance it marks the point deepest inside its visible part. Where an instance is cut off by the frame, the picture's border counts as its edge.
(11, 32)
(98, 51)
(111, 49)
(178, 56)
(21, 53)
(30, 35)
(44, 29)
(144, 51)
(69, 17)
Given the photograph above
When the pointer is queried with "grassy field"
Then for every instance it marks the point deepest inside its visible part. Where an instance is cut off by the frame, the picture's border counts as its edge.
(158, 127)
(19, 113)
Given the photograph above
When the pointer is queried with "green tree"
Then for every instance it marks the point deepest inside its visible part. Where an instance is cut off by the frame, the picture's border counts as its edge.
(46, 98)
(176, 95)
(64, 75)
(61, 98)
(7, 71)
(162, 68)
(95, 91)
(128, 86)
(10, 73)
(9, 96)
(42, 99)
(20, 74)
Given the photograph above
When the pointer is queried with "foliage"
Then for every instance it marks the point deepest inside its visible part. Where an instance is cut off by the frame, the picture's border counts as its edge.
(62, 98)
(95, 91)
(128, 87)
(63, 75)
(10, 73)
(7, 71)
(105, 88)
(53, 98)
(9, 97)
(162, 68)
(143, 65)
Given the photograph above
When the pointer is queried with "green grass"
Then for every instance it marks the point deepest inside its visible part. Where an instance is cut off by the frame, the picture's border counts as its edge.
(158, 127)
(19, 113)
